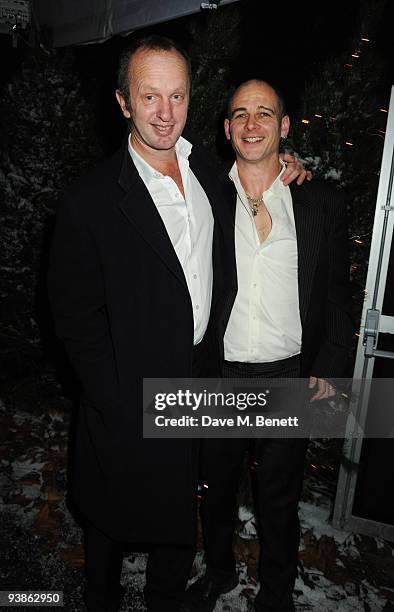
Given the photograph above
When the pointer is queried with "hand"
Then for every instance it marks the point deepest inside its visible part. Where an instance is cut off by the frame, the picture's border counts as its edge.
(324, 389)
(294, 169)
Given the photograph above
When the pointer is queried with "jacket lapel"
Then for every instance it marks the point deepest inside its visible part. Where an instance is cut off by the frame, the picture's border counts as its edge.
(139, 208)
(308, 229)
(231, 197)
(210, 181)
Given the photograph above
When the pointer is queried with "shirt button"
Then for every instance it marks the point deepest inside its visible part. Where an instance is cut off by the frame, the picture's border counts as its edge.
(194, 275)
(197, 307)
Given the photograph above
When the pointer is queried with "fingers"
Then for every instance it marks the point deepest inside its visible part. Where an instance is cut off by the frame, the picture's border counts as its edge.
(295, 170)
(288, 158)
(321, 389)
(324, 389)
(302, 176)
(312, 382)
(290, 174)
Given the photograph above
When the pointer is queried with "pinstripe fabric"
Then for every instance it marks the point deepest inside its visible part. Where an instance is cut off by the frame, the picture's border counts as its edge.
(323, 277)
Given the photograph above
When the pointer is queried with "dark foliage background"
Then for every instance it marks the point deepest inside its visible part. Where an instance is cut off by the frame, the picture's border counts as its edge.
(59, 115)
(344, 103)
(48, 141)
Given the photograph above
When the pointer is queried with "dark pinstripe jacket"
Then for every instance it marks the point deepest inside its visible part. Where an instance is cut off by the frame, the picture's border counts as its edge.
(323, 277)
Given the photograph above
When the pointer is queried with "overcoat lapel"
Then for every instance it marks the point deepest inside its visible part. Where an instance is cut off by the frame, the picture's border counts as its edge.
(308, 230)
(230, 194)
(210, 183)
(140, 210)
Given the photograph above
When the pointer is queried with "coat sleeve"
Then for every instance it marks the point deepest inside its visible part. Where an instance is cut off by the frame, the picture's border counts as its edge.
(332, 359)
(76, 291)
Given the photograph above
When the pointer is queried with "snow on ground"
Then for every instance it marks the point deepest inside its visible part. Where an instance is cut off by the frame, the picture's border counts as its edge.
(42, 544)
(317, 518)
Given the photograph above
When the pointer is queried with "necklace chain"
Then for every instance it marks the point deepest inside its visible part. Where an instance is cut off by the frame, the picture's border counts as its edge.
(254, 203)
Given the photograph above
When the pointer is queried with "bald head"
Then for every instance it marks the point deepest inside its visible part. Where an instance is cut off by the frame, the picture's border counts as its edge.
(280, 103)
(255, 124)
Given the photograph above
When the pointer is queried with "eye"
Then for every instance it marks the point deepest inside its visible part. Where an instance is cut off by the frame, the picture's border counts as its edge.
(240, 116)
(150, 98)
(264, 114)
(178, 97)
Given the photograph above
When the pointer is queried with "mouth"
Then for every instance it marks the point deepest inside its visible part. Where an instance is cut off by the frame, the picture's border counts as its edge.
(163, 130)
(252, 139)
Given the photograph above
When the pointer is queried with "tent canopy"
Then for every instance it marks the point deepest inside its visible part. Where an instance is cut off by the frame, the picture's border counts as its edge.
(82, 21)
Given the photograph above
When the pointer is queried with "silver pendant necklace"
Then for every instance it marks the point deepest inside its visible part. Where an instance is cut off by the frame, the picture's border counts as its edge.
(254, 203)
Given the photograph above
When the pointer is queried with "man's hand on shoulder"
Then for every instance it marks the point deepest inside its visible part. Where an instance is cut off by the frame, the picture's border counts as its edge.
(323, 391)
(294, 170)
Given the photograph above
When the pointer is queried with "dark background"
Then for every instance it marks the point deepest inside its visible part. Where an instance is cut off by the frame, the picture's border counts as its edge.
(283, 42)
(302, 47)
(50, 137)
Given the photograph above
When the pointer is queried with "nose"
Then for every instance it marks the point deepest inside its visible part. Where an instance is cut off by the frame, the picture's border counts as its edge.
(164, 111)
(250, 123)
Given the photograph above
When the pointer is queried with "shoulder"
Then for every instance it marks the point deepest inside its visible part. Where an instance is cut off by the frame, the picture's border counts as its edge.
(319, 193)
(201, 156)
(106, 172)
(316, 188)
(93, 191)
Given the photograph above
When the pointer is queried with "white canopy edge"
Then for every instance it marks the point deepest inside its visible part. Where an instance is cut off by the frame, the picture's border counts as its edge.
(74, 22)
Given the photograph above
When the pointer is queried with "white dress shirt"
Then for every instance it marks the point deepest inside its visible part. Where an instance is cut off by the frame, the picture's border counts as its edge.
(189, 224)
(265, 322)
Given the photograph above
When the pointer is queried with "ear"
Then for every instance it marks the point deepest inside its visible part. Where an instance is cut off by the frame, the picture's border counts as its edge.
(285, 126)
(227, 129)
(123, 105)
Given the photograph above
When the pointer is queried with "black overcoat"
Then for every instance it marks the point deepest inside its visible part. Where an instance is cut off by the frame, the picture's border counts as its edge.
(122, 307)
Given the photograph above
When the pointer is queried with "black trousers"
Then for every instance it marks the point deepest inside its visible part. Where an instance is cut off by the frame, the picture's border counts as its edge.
(279, 475)
(168, 567)
(167, 574)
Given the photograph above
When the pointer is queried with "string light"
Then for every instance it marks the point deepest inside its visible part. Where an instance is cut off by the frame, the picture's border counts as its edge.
(358, 236)
(348, 143)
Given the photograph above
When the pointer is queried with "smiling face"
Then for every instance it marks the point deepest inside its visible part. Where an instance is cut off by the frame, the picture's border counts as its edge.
(159, 98)
(255, 125)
